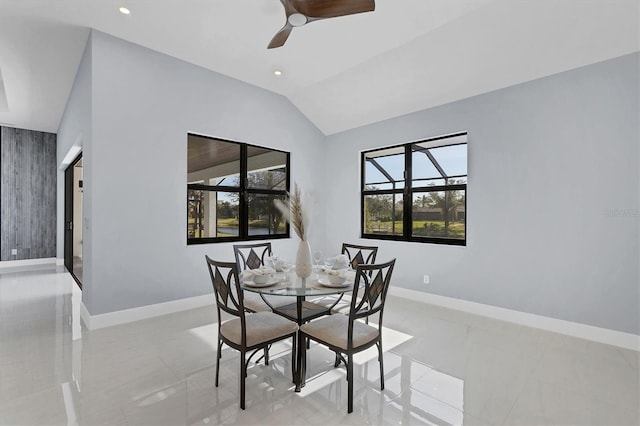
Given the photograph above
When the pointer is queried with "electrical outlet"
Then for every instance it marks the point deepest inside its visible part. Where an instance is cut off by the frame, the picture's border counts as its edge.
(14, 252)
(426, 279)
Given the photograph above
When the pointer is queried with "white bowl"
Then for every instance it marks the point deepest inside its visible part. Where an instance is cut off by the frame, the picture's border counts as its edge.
(336, 279)
(261, 279)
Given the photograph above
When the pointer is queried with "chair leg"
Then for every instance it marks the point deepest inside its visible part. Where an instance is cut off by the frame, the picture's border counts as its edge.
(218, 356)
(266, 355)
(336, 363)
(243, 377)
(350, 383)
(381, 362)
(303, 361)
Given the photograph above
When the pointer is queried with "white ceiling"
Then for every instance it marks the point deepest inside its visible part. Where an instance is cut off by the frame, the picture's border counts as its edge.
(341, 73)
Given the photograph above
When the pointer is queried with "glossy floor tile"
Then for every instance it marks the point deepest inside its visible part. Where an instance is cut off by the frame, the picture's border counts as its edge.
(442, 367)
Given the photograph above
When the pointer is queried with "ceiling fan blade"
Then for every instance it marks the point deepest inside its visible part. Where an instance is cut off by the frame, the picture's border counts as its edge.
(288, 7)
(280, 37)
(332, 8)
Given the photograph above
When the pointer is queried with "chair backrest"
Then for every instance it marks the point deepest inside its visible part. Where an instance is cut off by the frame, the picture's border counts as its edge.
(251, 256)
(370, 292)
(227, 291)
(359, 255)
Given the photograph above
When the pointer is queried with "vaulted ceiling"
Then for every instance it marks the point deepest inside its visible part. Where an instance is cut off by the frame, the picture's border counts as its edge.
(342, 73)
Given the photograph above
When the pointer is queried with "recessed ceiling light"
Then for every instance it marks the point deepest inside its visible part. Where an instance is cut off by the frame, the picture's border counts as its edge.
(277, 73)
(124, 10)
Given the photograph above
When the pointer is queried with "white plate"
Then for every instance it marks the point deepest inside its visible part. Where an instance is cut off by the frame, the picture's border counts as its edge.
(325, 282)
(270, 281)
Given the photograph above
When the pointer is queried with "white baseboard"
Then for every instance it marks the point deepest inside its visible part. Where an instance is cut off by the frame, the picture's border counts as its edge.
(27, 262)
(84, 315)
(582, 331)
(94, 322)
(59, 262)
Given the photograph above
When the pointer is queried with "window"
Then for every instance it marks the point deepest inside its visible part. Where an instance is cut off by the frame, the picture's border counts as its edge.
(231, 187)
(416, 191)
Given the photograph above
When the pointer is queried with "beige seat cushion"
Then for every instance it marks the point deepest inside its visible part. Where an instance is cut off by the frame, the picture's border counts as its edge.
(333, 330)
(261, 327)
(254, 302)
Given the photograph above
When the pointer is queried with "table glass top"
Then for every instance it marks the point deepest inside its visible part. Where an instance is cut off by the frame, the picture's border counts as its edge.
(291, 285)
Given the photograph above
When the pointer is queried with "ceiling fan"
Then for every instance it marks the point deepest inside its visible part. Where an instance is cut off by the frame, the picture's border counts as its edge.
(301, 12)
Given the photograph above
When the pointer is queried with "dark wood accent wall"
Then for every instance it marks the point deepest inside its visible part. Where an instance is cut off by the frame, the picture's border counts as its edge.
(27, 194)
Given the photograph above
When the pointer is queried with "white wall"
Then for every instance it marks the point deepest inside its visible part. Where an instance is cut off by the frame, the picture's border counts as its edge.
(551, 164)
(143, 105)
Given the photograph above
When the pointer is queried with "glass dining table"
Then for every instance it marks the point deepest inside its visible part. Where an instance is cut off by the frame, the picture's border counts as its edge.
(302, 310)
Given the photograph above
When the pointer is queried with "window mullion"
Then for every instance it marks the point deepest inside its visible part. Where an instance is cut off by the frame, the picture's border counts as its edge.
(407, 198)
(243, 208)
(363, 214)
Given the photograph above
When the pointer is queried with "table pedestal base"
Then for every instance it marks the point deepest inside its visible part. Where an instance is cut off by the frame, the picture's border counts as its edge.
(301, 312)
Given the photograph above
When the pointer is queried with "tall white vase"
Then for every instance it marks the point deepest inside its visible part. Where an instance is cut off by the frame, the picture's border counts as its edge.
(303, 260)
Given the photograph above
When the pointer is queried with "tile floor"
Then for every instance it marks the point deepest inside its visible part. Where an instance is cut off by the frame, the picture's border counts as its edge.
(441, 367)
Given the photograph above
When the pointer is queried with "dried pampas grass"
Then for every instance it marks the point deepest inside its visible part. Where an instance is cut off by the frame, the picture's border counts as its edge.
(293, 213)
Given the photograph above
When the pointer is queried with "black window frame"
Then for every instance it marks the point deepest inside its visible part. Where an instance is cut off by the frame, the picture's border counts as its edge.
(408, 191)
(243, 200)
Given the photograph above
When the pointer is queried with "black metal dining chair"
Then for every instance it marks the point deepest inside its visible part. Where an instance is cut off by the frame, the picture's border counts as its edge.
(253, 256)
(244, 332)
(346, 335)
(358, 255)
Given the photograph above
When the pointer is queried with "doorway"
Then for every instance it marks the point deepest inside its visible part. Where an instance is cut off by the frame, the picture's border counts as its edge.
(73, 198)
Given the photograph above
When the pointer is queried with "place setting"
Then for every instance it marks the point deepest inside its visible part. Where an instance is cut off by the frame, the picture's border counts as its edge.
(335, 273)
(260, 279)
(267, 276)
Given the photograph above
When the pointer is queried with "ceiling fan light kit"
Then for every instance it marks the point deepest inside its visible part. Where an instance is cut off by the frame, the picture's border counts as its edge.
(297, 19)
(301, 12)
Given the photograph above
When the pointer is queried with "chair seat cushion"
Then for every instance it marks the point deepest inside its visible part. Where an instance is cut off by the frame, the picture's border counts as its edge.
(334, 328)
(261, 327)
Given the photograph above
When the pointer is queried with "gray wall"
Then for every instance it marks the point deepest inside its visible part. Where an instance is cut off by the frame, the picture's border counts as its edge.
(552, 203)
(27, 194)
(552, 163)
(142, 105)
(75, 129)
